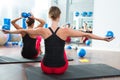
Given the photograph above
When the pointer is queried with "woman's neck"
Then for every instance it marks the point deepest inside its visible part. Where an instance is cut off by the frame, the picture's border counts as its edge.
(30, 27)
(54, 24)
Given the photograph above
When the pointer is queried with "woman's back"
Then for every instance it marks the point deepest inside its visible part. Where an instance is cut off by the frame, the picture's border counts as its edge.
(28, 50)
(54, 49)
(61, 33)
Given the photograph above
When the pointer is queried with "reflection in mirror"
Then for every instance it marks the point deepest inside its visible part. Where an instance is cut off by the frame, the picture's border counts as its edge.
(79, 15)
(81, 18)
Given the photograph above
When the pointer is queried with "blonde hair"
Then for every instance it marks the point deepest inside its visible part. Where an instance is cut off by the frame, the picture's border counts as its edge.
(54, 12)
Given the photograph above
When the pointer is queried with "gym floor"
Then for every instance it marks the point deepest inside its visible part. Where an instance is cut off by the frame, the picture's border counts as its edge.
(17, 71)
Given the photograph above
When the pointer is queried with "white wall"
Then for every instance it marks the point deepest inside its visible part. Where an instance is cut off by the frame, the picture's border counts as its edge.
(107, 17)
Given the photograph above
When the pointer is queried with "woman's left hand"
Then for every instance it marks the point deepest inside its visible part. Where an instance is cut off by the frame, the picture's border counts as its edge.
(108, 39)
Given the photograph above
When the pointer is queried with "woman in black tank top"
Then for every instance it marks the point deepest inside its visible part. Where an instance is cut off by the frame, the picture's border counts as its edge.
(55, 61)
(28, 49)
(29, 41)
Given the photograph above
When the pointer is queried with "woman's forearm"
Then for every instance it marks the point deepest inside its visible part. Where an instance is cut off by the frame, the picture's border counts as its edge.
(15, 24)
(17, 31)
(13, 21)
(92, 36)
(41, 21)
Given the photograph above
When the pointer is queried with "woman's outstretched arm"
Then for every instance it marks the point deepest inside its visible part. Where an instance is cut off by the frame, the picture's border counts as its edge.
(75, 33)
(19, 31)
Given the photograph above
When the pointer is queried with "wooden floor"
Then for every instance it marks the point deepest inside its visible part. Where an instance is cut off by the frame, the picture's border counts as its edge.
(17, 71)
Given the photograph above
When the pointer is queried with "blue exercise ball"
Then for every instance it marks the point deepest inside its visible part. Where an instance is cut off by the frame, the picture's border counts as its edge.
(88, 42)
(89, 14)
(29, 14)
(82, 52)
(13, 43)
(77, 14)
(46, 25)
(69, 47)
(84, 14)
(24, 14)
(110, 34)
(20, 44)
(5, 27)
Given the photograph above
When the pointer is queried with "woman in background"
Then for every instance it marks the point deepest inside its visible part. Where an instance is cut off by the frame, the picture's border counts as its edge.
(31, 43)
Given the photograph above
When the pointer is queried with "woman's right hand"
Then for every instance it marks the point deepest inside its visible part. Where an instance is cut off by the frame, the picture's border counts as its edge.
(32, 16)
(6, 31)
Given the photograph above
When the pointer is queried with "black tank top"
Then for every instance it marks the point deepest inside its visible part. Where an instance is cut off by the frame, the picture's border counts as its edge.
(28, 49)
(54, 50)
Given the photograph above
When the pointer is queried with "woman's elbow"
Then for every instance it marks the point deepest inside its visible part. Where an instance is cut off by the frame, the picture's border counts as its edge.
(87, 35)
(12, 22)
(43, 22)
